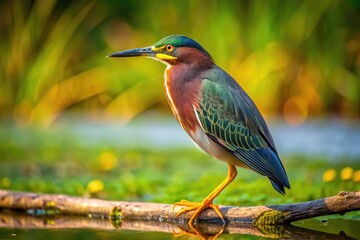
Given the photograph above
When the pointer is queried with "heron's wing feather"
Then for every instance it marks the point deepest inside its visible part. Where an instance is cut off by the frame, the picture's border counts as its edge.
(230, 118)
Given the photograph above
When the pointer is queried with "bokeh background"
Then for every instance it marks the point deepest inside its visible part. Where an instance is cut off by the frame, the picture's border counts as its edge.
(73, 121)
(297, 59)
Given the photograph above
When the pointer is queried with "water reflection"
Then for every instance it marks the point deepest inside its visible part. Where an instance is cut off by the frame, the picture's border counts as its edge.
(12, 223)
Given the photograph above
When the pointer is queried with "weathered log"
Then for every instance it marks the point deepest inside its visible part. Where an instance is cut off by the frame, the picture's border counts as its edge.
(258, 215)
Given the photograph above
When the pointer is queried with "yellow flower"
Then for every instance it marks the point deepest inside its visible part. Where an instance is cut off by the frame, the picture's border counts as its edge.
(6, 182)
(107, 161)
(356, 176)
(346, 173)
(329, 175)
(95, 186)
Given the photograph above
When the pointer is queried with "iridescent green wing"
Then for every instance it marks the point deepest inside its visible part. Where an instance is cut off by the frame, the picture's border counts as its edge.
(226, 116)
(229, 117)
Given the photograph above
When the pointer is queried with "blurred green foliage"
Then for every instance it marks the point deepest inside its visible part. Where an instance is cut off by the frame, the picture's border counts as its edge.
(295, 58)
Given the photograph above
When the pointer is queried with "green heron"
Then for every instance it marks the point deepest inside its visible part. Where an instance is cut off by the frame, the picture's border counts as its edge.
(216, 113)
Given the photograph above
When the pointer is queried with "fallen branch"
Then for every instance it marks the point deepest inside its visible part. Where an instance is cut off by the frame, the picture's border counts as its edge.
(259, 215)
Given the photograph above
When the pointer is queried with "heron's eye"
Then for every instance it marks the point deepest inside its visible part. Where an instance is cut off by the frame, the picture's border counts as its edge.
(169, 48)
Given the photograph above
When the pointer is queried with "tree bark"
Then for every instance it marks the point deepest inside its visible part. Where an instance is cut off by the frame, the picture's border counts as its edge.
(53, 204)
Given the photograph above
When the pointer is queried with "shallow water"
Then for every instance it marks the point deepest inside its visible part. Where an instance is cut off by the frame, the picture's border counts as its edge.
(20, 226)
(84, 233)
(331, 139)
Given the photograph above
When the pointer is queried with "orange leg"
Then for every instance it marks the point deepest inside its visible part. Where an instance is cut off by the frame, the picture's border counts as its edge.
(207, 202)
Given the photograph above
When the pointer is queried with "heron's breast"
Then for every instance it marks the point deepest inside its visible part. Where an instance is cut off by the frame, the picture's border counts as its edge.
(182, 96)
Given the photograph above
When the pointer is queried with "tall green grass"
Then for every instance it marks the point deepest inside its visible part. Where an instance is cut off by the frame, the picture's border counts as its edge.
(295, 58)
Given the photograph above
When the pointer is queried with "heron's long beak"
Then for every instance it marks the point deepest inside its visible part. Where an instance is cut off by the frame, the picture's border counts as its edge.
(136, 52)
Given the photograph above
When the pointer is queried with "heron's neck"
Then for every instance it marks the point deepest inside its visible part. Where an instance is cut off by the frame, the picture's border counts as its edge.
(182, 91)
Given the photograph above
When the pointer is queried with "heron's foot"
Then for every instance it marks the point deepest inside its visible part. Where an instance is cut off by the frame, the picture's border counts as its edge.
(198, 208)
